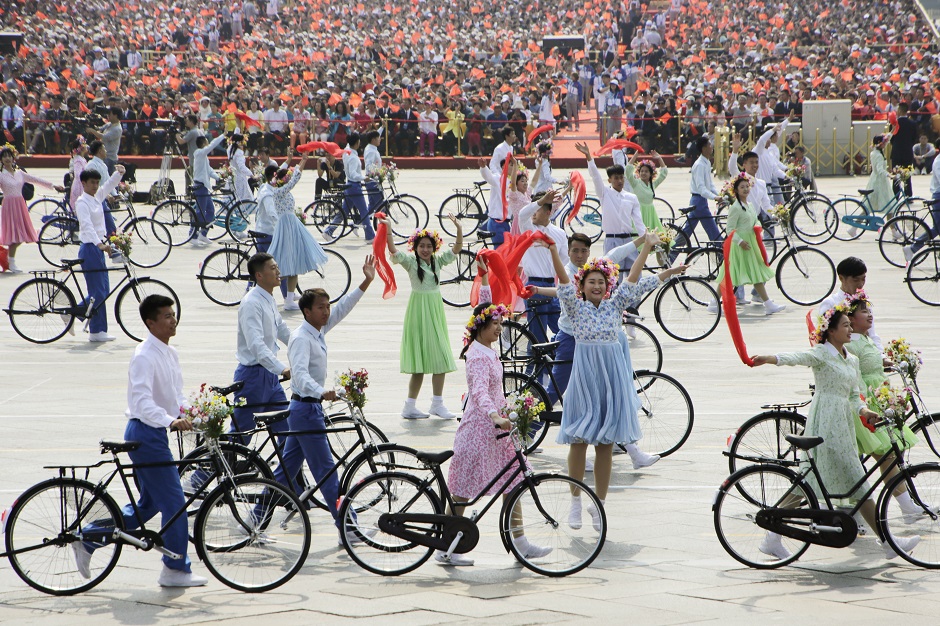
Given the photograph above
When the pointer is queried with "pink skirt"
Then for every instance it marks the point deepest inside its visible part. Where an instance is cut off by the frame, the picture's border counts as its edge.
(15, 224)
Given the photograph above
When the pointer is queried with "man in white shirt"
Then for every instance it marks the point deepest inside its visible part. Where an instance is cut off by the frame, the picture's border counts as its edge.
(373, 161)
(852, 273)
(771, 169)
(276, 121)
(260, 327)
(356, 188)
(94, 238)
(13, 117)
(202, 183)
(542, 312)
(133, 59)
(621, 217)
(703, 189)
(547, 106)
(100, 64)
(307, 352)
(496, 223)
(98, 153)
(154, 403)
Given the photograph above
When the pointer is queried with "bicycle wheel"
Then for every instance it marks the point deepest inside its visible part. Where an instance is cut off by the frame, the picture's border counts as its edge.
(927, 449)
(456, 279)
(44, 525)
(385, 457)
(58, 240)
(761, 439)
(664, 210)
(127, 307)
(41, 310)
(517, 383)
(238, 220)
(467, 211)
(814, 220)
(43, 210)
(705, 263)
(646, 353)
(805, 276)
(179, 218)
(681, 308)
(403, 217)
(334, 277)
(387, 494)
(223, 276)
(326, 220)
(343, 441)
(923, 485)
(253, 535)
(151, 242)
(898, 233)
(681, 244)
(514, 341)
(923, 275)
(424, 213)
(848, 207)
(742, 496)
(223, 206)
(539, 510)
(587, 221)
(666, 412)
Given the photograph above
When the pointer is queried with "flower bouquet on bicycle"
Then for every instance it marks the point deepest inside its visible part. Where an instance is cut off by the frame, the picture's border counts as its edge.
(208, 411)
(354, 383)
(523, 409)
(122, 242)
(908, 360)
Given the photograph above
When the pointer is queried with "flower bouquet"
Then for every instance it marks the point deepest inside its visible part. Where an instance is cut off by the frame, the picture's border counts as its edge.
(354, 382)
(523, 409)
(121, 241)
(905, 357)
(123, 189)
(225, 173)
(300, 215)
(666, 240)
(902, 173)
(208, 412)
(382, 172)
(796, 171)
(781, 213)
(726, 197)
(892, 402)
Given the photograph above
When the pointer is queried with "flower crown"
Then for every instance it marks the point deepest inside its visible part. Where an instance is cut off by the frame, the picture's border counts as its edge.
(608, 268)
(477, 321)
(9, 146)
(645, 163)
(433, 235)
(853, 301)
(728, 190)
(279, 180)
(822, 321)
(81, 143)
(544, 146)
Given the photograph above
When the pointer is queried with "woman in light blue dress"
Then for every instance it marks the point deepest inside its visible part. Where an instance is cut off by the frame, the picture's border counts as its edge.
(600, 404)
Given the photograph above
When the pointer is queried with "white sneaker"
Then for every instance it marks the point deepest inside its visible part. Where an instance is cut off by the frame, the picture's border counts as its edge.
(82, 559)
(908, 253)
(770, 307)
(913, 513)
(240, 235)
(588, 465)
(204, 240)
(530, 550)
(631, 331)
(712, 307)
(741, 301)
(574, 513)
(454, 559)
(773, 546)
(291, 305)
(907, 544)
(14, 268)
(595, 517)
(176, 578)
(438, 409)
(100, 337)
(642, 459)
(853, 231)
(66, 318)
(413, 413)
(196, 242)
(755, 297)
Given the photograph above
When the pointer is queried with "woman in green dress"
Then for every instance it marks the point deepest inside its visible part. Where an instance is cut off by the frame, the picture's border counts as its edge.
(425, 345)
(648, 178)
(880, 180)
(745, 262)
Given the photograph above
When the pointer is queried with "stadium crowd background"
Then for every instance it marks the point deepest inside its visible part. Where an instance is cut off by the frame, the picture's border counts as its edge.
(318, 69)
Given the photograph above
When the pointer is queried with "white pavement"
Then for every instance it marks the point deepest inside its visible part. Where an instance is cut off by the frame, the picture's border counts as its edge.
(662, 563)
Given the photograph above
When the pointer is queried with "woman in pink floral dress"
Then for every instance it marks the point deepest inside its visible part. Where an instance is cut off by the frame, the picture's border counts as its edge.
(15, 225)
(478, 454)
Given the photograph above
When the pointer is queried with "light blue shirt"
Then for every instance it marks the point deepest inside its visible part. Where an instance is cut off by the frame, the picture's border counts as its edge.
(353, 167)
(90, 213)
(935, 181)
(260, 326)
(307, 349)
(202, 171)
(702, 183)
(372, 157)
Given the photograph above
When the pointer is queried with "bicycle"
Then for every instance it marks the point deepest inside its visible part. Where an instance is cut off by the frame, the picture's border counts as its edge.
(224, 278)
(398, 519)
(923, 274)
(332, 217)
(804, 275)
(43, 308)
(860, 215)
(151, 240)
(901, 231)
(242, 551)
(180, 215)
(812, 217)
(772, 497)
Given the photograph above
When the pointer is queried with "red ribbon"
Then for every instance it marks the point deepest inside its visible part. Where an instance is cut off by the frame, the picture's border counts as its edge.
(4, 259)
(811, 327)
(502, 183)
(382, 267)
(328, 146)
(580, 192)
(242, 117)
(617, 144)
(538, 131)
(503, 264)
(728, 300)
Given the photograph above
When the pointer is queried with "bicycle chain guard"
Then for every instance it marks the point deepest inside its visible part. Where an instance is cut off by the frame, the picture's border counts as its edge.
(432, 531)
(864, 222)
(775, 520)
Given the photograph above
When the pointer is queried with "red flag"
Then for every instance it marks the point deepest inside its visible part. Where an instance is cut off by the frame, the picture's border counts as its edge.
(503, 264)
(242, 117)
(580, 191)
(538, 131)
(617, 144)
(382, 267)
(328, 146)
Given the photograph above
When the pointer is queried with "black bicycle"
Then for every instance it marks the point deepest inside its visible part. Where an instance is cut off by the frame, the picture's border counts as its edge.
(332, 216)
(397, 520)
(923, 274)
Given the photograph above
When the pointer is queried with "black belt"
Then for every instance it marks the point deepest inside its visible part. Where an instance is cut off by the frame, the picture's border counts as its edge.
(306, 399)
(697, 195)
(624, 235)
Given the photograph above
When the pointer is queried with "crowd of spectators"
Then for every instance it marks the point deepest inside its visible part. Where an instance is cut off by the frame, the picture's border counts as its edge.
(438, 77)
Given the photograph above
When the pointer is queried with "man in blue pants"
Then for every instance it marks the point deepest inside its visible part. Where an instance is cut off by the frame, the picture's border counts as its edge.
(202, 183)
(260, 327)
(703, 189)
(308, 358)
(154, 403)
(356, 188)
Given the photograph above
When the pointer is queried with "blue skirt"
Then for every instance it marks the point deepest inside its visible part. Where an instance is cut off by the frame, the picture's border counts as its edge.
(601, 403)
(294, 248)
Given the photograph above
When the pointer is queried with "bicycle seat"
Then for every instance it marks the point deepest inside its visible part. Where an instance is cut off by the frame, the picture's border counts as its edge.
(804, 443)
(71, 262)
(434, 458)
(686, 210)
(483, 235)
(545, 348)
(119, 446)
(482, 183)
(866, 192)
(271, 417)
(224, 391)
